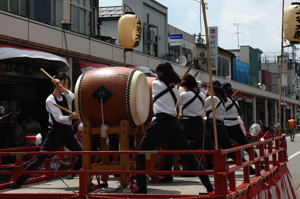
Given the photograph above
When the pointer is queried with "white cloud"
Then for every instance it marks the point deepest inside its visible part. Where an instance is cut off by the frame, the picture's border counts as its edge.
(260, 24)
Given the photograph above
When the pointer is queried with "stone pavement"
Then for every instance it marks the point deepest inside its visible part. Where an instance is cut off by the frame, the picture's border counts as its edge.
(180, 185)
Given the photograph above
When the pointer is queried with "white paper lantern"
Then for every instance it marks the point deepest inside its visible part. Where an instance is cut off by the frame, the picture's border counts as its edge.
(291, 22)
(129, 31)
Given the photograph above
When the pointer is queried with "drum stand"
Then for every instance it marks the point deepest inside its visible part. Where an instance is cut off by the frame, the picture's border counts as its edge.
(123, 130)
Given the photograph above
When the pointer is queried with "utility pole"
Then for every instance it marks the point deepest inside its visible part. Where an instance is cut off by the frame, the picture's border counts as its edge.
(238, 37)
(279, 120)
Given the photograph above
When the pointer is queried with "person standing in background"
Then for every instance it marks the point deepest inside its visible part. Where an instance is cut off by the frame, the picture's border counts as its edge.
(292, 128)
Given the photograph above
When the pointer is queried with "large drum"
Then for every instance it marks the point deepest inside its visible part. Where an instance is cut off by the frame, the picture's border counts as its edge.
(123, 93)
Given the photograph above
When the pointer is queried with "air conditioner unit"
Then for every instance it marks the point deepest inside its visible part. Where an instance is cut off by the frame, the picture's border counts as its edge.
(202, 55)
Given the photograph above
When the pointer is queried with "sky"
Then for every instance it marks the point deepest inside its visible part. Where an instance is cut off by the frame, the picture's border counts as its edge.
(259, 20)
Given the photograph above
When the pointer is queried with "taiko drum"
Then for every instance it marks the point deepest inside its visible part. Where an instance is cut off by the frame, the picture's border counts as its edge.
(111, 94)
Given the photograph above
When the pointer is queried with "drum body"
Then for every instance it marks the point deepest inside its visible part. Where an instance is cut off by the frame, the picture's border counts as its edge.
(111, 94)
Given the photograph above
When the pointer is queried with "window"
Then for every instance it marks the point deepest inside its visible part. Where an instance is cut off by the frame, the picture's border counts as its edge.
(13, 6)
(81, 16)
(57, 12)
(81, 2)
(4, 5)
(24, 8)
(75, 18)
(223, 67)
(82, 23)
(51, 12)
(19, 7)
(42, 11)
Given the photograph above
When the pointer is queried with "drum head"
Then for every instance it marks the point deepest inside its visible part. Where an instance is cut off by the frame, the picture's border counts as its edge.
(77, 96)
(138, 98)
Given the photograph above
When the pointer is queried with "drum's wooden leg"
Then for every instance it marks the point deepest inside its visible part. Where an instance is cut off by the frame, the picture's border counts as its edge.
(139, 135)
(124, 146)
(86, 159)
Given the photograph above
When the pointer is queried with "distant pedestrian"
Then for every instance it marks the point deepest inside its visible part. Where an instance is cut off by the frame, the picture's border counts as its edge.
(292, 128)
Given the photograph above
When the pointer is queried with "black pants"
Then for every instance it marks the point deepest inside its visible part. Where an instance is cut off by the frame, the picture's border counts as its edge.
(56, 137)
(165, 129)
(224, 139)
(196, 133)
(235, 133)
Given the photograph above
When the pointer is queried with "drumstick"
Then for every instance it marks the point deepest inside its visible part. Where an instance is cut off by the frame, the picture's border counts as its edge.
(234, 93)
(63, 108)
(196, 74)
(47, 74)
(188, 70)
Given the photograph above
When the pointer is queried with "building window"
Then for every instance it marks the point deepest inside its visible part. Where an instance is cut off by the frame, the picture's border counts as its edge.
(223, 67)
(56, 12)
(51, 12)
(81, 16)
(19, 7)
(4, 5)
(24, 8)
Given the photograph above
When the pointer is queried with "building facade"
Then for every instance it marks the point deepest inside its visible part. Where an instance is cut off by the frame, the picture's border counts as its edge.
(251, 56)
(225, 61)
(154, 18)
(183, 47)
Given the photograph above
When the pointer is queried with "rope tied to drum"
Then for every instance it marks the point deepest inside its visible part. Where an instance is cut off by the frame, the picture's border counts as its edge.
(103, 127)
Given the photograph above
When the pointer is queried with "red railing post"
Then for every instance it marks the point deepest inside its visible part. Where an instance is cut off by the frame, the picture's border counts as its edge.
(262, 154)
(251, 153)
(276, 156)
(149, 163)
(280, 158)
(220, 176)
(284, 146)
(270, 150)
(83, 186)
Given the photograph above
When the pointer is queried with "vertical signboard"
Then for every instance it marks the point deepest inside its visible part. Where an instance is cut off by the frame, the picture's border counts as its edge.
(213, 43)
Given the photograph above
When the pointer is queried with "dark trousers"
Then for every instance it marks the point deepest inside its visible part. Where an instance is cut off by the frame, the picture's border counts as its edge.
(196, 133)
(56, 137)
(235, 133)
(223, 139)
(165, 129)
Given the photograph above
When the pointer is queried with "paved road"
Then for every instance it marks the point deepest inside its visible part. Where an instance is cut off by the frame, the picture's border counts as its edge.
(294, 160)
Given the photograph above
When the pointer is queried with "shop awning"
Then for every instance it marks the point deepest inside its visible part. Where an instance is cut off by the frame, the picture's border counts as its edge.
(11, 52)
(86, 66)
(242, 96)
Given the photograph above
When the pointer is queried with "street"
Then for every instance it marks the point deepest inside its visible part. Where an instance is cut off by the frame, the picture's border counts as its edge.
(294, 160)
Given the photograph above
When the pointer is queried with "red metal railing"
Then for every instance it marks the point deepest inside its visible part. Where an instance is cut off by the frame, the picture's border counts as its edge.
(272, 155)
